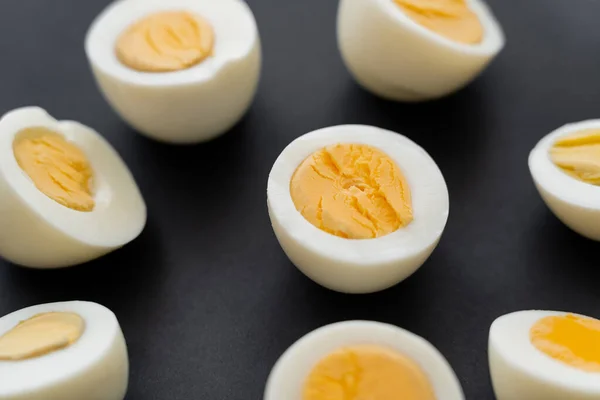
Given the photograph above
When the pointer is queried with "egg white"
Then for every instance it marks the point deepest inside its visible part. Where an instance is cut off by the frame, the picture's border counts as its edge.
(520, 371)
(187, 106)
(42, 233)
(393, 56)
(289, 374)
(96, 367)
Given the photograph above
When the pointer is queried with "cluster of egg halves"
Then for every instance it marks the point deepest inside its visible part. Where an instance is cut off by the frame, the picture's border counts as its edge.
(356, 208)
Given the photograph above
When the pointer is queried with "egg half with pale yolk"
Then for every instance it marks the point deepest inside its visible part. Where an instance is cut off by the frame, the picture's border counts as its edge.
(356, 208)
(178, 71)
(362, 360)
(414, 50)
(66, 196)
(63, 351)
(545, 355)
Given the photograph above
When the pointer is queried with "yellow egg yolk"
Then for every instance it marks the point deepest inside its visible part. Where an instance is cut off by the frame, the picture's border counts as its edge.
(367, 372)
(452, 19)
(578, 155)
(352, 191)
(165, 42)
(570, 339)
(58, 168)
(40, 335)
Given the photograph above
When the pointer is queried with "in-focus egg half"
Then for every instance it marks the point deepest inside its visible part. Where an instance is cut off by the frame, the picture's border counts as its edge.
(414, 50)
(362, 360)
(545, 355)
(63, 351)
(66, 196)
(356, 208)
(565, 166)
(179, 71)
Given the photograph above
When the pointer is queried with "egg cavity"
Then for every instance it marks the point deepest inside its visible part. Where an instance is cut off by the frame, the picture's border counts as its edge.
(578, 155)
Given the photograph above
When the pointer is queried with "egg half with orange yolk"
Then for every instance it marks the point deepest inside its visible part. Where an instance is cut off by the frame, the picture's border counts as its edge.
(414, 50)
(545, 355)
(356, 208)
(362, 360)
(66, 196)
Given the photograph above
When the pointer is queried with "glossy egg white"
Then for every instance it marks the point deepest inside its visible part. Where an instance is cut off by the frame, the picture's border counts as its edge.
(289, 374)
(96, 367)
(367, 265)
(42, 233)
(519, 371)
(187, 106)
(396, 58)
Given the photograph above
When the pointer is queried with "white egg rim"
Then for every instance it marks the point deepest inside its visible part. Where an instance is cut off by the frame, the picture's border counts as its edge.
(421, 172)
(556, 182)
(524, 357)
(62, 365)
(108, 25)
(299, 359)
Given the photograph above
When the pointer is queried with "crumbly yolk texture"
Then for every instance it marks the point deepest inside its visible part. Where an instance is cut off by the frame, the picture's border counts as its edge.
(165, 42)
(40, 335)
(450, 18)
(367, 372)
(578, 155)
(570, 339)
(352, 191)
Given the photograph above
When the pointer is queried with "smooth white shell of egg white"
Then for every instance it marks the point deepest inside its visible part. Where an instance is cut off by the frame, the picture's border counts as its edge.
(41, 233)
(575, 203)
(367, 265)
(391, 55)
(187, 106)
(519, 371)
(96, 367)
(289, 374)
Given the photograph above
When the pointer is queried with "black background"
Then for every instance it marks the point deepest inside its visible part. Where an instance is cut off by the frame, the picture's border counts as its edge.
(206, 297)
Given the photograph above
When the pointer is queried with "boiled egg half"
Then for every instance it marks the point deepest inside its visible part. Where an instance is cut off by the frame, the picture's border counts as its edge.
(356, 208)
(66, 196)
(414, 50)
(62, 351)
(178, 71)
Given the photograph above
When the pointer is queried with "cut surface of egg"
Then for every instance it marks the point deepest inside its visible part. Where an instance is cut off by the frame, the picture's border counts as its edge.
(545, 355)
(565, 167)
(362, 360)
(63, 351)
(178, 71)
(356, 208)
(415, 50)
(66, 196)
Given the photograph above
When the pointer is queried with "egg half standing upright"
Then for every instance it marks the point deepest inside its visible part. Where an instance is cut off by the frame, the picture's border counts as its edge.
(362, 360)
(356, 208)
(66, 196)
(545, 355)
(414, 50)
(63, 351)
(178, 71)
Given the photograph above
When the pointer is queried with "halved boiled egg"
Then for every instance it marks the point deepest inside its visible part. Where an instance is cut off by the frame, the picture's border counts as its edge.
(66, 196)
(178, 71)
(362, 360)
(63, 351)
(414, 50)
(565, 166)
(545, 355)
(356, 208)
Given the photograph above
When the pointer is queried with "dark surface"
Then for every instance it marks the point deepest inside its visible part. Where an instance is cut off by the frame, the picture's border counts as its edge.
(206, 297)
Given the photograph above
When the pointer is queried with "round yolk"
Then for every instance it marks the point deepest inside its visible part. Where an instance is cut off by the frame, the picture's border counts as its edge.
(58, 168)
(570, 339)
(352, 191)
(40, 335)
(579, 155)
(452, 19)
(367, 372)
(165, 42)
